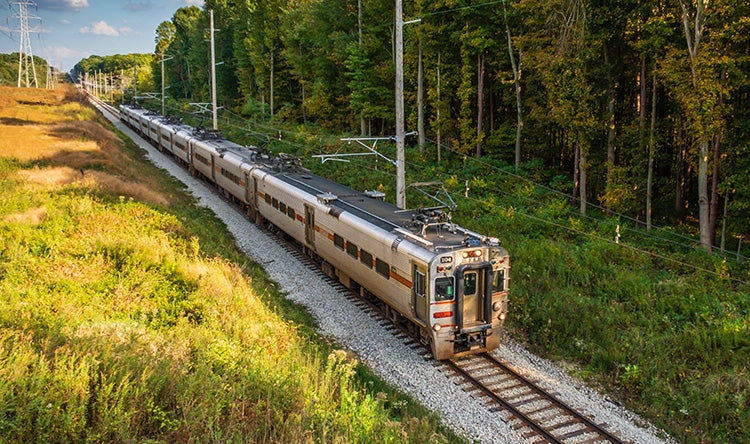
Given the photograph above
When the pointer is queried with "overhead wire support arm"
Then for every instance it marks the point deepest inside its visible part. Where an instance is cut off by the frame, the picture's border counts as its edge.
(361, 140)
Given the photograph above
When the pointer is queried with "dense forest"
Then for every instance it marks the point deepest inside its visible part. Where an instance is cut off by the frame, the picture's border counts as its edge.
(643, 104)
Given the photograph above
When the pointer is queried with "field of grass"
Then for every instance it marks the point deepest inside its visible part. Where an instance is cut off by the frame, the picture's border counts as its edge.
(127, 315)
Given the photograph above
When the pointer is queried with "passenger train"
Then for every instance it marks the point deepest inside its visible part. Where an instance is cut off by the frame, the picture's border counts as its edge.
(446, 282)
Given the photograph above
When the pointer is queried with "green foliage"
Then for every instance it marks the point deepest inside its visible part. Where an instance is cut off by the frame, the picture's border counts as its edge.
(9, 70)
(657, 336)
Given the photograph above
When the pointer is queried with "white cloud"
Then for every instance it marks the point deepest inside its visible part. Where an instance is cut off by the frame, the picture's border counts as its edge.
(100, 28)
(62, 57)
(63, 5)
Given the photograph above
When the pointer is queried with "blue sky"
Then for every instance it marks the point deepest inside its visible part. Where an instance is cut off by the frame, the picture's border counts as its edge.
(70, 30)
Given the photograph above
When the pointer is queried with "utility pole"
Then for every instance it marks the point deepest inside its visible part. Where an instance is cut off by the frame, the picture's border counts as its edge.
(162, 82)
(50, 77)
(25, 55)
(400, 157)
(213, 74)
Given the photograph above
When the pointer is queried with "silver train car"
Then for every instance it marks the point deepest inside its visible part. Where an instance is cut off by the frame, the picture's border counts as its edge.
(445, 282)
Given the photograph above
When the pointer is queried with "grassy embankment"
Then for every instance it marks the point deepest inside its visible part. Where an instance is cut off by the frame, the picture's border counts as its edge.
(127, 315)
(665, 328)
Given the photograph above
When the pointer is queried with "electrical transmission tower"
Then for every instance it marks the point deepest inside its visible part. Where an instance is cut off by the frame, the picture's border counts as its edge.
(26, 68)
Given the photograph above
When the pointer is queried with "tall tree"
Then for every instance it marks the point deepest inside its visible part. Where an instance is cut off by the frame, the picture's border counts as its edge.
(516, 68)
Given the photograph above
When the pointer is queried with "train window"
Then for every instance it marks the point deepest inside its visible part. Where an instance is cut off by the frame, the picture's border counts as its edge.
(352, 249)
(498, 281)
(444, 289)
(365, 258)
(383, 268)
(268, 199)
(275, 202)
(419, 283)
(290, 213)
(338, 241)
(470, 283)
(282, 207)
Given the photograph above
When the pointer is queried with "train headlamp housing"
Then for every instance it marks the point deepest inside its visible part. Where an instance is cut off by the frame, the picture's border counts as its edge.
(471, 253)
(437, 327)
(497, 306)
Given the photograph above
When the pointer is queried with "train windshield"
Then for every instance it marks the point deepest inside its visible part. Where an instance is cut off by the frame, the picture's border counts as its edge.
(444, 289)
(498, 281)
(470, 283)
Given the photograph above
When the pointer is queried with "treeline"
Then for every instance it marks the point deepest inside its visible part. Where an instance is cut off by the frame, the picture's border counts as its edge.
(9, 71)
(640, 106)
(122, 71)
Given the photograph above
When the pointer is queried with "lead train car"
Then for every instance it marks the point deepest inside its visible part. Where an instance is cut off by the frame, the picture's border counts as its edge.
(450, 283)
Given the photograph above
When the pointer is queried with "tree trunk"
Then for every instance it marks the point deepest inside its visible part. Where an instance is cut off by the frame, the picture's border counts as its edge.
(610, 121)
(651, 148)
(517, 84)
(480, 102)
(420, 101)
(438, 123)
(271, 84)
(693, 43)
(576, 175)
(362, 122)
(582, 170)
(703, 202)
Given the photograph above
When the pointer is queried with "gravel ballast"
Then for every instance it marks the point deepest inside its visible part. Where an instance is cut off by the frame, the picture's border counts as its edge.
(387, 355)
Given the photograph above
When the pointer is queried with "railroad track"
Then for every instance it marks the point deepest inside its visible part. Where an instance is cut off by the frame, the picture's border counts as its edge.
(538, 415)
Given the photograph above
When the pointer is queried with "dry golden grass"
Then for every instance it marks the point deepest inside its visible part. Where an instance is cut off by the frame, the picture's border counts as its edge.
(59, 134)
(33, 216)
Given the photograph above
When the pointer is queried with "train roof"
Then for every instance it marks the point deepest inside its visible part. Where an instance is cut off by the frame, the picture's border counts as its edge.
(430, 228)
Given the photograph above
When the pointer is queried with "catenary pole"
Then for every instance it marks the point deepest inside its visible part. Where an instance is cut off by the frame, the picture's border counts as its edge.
(213, 75)
(400, 157)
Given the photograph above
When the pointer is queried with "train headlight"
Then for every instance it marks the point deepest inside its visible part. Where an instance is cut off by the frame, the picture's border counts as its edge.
(502, 316)
(497, 306)
(472, 253)
(437, 327)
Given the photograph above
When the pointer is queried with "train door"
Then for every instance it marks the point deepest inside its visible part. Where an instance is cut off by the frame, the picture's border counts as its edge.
(472, 307)
(474, 295)
(252, 185)
(419, 293)
(310, 226)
